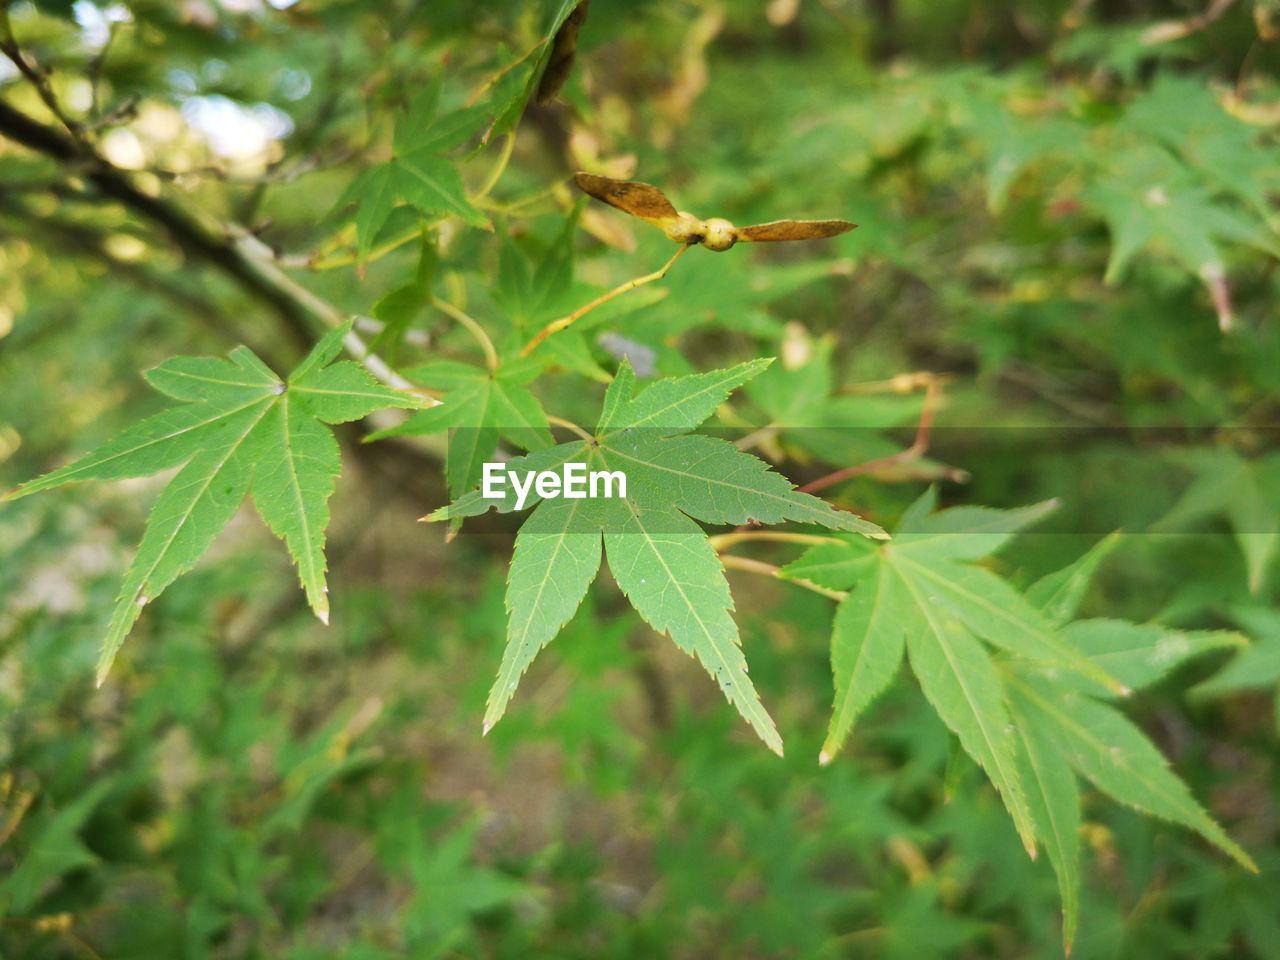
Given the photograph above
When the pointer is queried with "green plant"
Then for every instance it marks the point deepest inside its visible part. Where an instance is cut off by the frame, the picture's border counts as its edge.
(1041, 247)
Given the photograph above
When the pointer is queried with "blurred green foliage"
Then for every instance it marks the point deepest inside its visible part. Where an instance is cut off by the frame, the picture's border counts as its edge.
(1066, 208)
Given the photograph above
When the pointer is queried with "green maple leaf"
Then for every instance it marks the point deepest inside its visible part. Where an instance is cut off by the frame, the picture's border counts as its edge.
(1012, 142)
(1060, 594)
(915, 598)
(510, 96)
(1028, 718)
(659, 556)
(1185, 115)
(1137, 654)
(919, 586)
(1150, 200)
(241, 429)
(418, 173)
(1061, 734)
(480, 407)
(55, 849)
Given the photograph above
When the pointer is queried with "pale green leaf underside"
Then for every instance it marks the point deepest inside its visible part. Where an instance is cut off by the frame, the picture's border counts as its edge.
(968, 533)
(1139, 654)
(296, 465)
(1058, 595)
(676, 404)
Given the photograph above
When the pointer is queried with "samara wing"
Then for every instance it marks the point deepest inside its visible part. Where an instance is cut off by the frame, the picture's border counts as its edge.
(793, 230)
(642, 200)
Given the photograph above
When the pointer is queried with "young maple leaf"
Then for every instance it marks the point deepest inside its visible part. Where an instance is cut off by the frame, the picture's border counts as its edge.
(1032, 720)
(659, 556)
(418, 172)
(241, 429)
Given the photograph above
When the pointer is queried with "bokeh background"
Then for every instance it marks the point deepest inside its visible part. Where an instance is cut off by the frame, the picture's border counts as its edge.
(1067, 216)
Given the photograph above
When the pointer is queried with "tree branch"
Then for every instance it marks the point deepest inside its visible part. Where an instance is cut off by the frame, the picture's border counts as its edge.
(237, 253)
(196, 239)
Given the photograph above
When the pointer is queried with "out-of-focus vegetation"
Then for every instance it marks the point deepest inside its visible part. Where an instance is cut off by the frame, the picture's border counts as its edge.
(1063, 285)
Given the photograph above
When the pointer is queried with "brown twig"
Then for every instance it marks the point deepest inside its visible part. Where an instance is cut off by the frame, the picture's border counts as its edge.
(32, 72)
(1169, 30)
(234, 251)
(555, 326)
(924, 430)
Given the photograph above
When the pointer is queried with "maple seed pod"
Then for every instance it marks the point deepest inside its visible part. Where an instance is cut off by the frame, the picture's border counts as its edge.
(721, 235)
(688, 229)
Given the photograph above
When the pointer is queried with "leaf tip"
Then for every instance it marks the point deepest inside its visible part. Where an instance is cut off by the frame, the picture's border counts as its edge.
(485, 728)
(824, 758)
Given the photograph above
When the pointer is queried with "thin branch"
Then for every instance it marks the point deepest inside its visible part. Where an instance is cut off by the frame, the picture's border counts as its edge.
(757, 437)
(234, 251)
(555, 326)
(1169, 30)
(917, 449)
(331, 255)
(416, 337)
(31, 71)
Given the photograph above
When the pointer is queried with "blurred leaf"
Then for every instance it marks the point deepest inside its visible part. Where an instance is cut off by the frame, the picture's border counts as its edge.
(55, 848)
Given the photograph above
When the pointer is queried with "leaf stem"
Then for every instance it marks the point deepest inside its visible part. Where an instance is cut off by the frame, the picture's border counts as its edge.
(499, 168)
(484, 203)
(757, 436)
(328, 257)
(732, 562)
(570, 425)
(490, 353)
(555, 326)
(493, 79)
(722, 540)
